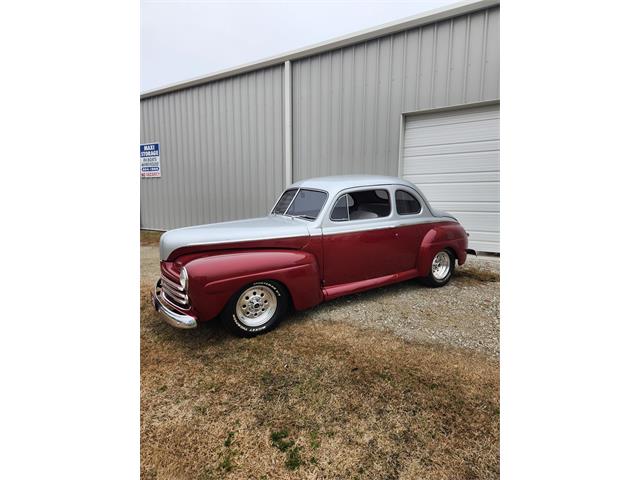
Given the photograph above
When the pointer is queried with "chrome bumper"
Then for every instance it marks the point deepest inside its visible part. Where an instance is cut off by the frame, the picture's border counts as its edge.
(173, 318)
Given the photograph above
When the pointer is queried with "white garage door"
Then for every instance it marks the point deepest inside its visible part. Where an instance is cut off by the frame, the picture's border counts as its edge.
(454, 158)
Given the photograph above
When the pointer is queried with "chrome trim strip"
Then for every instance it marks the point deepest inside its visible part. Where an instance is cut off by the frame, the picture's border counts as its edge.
(174, 319)
(171, 283)
(291, 202)
(174, 302)
(182, 297)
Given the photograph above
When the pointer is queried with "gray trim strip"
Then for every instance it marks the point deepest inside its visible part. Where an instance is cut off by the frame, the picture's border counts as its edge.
(449, 11)
(460, 106)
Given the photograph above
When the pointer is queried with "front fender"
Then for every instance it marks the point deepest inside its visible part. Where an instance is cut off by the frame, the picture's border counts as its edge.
(214, 279)
(447, 235)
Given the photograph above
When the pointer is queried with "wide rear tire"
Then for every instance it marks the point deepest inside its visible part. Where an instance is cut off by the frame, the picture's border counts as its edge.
(441, 269)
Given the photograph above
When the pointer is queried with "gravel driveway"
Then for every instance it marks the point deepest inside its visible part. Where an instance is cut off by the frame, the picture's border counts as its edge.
(465, 313)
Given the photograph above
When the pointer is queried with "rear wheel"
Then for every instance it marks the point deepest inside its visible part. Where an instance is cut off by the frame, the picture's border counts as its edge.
(442, 268)
(256, 308)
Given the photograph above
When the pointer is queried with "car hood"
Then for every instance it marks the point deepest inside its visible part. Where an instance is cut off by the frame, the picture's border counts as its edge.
(263, 228)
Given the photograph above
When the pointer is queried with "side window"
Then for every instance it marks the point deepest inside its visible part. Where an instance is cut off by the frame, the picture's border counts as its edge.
(362, 205)
(407, 204)
(340, 212)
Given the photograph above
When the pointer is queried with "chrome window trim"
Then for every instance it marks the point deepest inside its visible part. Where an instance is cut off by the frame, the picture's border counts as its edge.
(297, 189)
(361, 189)
(335, 204)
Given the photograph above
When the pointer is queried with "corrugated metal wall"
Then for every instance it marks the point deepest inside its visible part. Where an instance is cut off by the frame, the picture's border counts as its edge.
(221, 151)
(347, 103)
(222, 143)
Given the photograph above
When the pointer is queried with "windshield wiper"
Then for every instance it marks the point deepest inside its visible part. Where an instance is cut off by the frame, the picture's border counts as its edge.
(306, 217)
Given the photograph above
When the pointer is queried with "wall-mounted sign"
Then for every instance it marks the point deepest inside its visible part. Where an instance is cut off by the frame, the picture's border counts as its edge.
(150, 160)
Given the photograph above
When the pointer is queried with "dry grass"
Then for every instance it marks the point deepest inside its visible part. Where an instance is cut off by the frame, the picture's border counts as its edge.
(149, 237)
(476, 274)
(311, 400)
(346, 403)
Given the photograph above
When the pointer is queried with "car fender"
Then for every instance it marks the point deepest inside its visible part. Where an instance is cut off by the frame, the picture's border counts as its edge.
(444, 236)
(214, 279)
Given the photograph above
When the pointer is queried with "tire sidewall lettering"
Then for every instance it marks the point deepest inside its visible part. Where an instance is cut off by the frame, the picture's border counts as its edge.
(244, 327)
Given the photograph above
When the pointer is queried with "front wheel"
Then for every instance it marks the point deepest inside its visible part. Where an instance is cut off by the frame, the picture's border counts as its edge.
(442, 267)
(256, 308)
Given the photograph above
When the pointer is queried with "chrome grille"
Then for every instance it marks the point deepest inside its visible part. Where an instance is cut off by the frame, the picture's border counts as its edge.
(173, 292)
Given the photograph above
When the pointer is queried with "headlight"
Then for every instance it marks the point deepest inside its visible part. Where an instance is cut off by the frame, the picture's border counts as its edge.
(184, 278)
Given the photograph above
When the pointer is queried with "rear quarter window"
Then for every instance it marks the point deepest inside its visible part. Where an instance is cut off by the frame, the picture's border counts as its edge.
(406, 203)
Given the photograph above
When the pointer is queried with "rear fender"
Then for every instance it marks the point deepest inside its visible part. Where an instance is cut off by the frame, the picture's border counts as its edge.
(445, 236)
(214, 279)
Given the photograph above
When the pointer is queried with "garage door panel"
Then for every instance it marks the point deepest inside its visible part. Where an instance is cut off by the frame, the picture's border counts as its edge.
(479, 207)
(480, 236)
(478, 221)
(465, 163)
(464, 177)
(459, 148)
(454, 159)
(467, 192)
(452, 134)
(483, 246)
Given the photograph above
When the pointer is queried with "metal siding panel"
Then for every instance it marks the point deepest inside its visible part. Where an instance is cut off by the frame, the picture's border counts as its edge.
(441, 80)
(347, 106)
(457, 70)
(475, 58)
(210, 136)
(411, 70)
(384, 100)
(491, 82)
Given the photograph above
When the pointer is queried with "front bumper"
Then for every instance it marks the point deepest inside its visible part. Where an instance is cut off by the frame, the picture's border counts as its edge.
(169, 314)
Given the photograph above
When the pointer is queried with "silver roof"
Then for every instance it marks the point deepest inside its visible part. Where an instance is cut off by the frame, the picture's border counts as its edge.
(431, 16)
(337, 183)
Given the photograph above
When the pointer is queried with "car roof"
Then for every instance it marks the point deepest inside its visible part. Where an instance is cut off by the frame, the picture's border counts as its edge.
(337, 183)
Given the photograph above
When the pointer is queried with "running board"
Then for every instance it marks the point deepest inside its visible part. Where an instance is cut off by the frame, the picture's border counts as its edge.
(336, 291)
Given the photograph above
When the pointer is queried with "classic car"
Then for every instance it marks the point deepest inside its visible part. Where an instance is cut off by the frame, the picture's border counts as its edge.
(324, 238)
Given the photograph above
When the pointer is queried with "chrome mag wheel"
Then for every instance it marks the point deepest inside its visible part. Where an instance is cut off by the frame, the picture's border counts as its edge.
(441, 266)
(256, 305)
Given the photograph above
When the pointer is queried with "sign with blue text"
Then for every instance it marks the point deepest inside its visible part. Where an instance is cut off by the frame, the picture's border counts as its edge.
(150, 160)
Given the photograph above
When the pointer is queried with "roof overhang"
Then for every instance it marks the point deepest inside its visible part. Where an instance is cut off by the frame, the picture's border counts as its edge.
(432, 16)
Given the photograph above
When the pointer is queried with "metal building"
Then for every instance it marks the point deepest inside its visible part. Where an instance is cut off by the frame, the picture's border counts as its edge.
(418, 98)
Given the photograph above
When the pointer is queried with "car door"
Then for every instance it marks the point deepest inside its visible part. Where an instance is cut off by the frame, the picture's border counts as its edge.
(358, 237)
(412, 226)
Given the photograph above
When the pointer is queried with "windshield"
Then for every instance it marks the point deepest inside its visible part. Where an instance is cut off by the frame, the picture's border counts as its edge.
(284, 202)
(302, 203)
